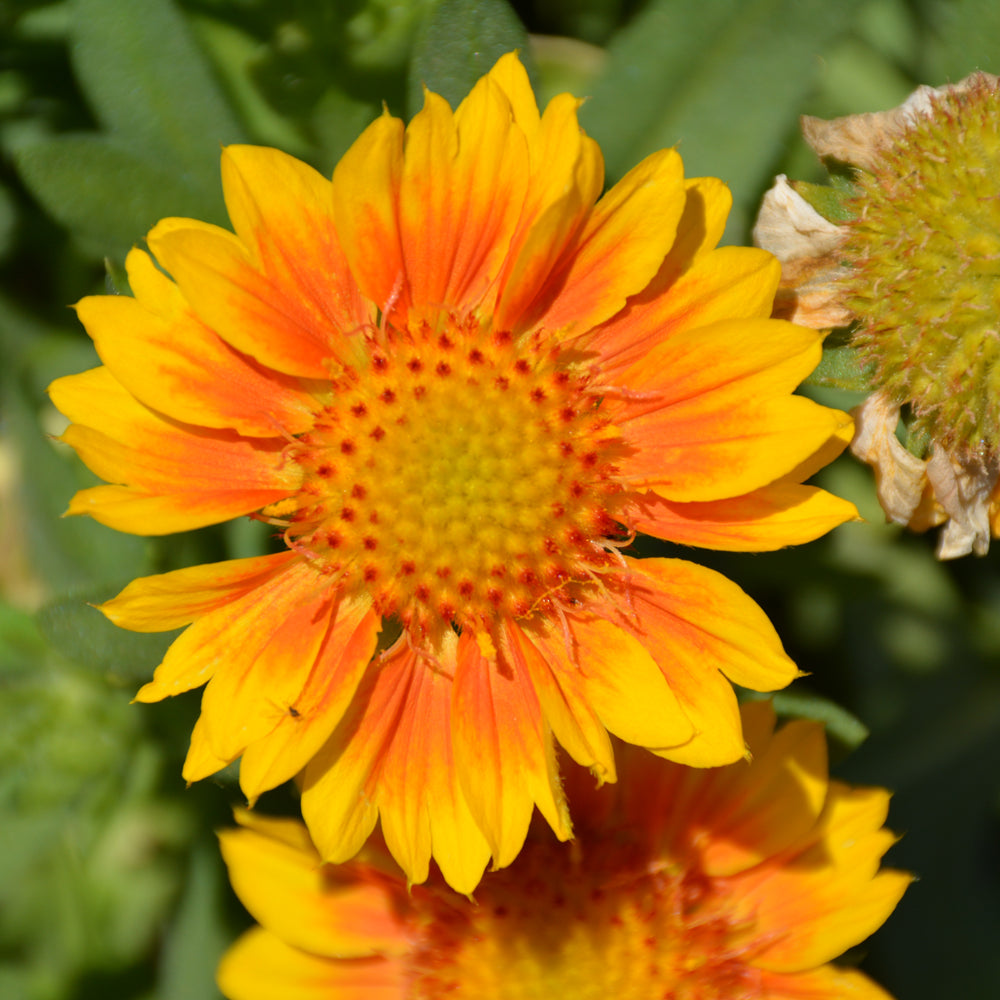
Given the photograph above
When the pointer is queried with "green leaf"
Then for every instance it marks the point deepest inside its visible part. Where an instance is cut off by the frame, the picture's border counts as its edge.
(20, 331)
(233, 52)
(150, 84)
(564, 65)
(859, 78)
(196, 940)
(724, 80)
(890, 28)
(62, 730)
(81, 633)
(841, 368)
(590, 20)
(65, 552)
(8, 221)
(917, 441)
(964, 36)
(829, 201)
(379, 35)
(458, 43)
(21, 643)
(337, 120)
(107, 194)
(840, 724)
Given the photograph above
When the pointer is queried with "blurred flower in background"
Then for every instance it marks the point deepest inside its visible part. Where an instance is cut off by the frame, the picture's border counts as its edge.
(743, 881)
(908, 254)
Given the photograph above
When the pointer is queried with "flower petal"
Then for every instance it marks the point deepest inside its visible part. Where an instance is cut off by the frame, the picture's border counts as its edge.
(756, 810)
(171, 600)
(828, 897)
(825, 983)
(616, 676)
(503, 749)
(123, 441)
(622, 245)
(280, 879)
(392, 755)
(422, 808)
(509, 74)
(567, 173)
(706, 210)
(559, 684)
(242, 622)
(282, 209)
(810, 249)
(365, 203)
(339, 664)
(715, 616)
(125, 508)
(170, 361)
(463, 184)
(290, 306)
(766, 519)
(261, 966)
(201, 761)
(709, 413)
(728, 283)
(279, 629)
(698, 625)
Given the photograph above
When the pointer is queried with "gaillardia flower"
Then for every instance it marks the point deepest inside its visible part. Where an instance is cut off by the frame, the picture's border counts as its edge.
(457, 384)
(735, 883)
(908, 254)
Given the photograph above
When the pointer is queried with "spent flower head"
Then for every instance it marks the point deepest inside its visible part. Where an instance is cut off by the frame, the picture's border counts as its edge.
(696, 884)
(457, 385)
(908, 254)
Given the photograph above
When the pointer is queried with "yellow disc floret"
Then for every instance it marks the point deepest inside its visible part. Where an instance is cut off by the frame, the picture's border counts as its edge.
(458, 476)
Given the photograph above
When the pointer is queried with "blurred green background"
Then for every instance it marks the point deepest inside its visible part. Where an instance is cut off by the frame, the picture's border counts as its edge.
(111, 116)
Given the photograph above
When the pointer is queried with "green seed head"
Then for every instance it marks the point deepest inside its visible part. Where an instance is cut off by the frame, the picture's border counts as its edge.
(924, 250)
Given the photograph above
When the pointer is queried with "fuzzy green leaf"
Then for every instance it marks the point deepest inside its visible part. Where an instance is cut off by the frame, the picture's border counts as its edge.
(8, 221)
(196, 940)
(65, 552)
(108, 195)
(459, 43)
(830, 202)
(150, 84)
(841, 368)
(839, 723)
(81, 633)
(963, 37)
(723, 80)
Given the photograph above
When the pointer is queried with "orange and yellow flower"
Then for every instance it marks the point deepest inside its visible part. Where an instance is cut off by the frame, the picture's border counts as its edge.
(458, 382)
(743, 881)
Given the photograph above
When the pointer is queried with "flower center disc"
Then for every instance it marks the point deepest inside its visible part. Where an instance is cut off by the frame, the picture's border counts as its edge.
(590, 929)
(459, 477)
